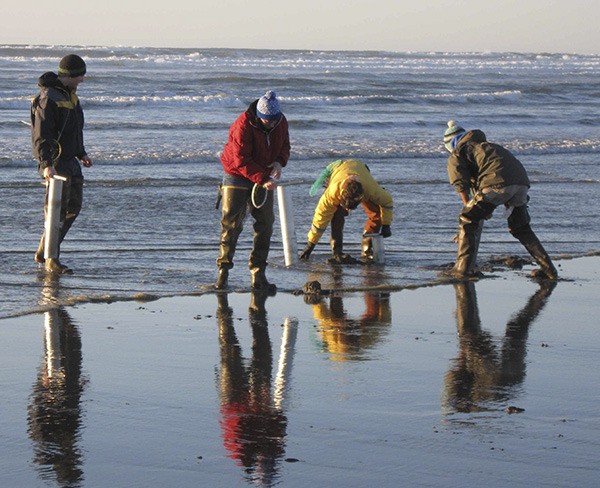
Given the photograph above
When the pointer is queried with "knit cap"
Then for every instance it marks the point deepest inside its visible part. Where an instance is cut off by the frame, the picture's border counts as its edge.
(268, 106)
(71, 66)
(454, 130)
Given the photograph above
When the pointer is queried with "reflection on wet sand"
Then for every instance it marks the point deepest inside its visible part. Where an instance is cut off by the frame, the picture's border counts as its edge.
(485, 374)
(54, 412)
(253, 421)
(346, 338)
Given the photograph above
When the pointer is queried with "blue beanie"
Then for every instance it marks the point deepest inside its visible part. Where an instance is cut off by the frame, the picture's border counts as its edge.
(268, 106)
(453, 132)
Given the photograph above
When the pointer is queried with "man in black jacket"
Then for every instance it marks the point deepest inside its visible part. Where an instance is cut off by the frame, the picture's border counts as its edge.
(57, 139)
(487, 175)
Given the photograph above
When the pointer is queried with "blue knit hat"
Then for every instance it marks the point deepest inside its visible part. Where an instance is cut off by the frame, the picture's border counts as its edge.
(268, 106)
(453, 132)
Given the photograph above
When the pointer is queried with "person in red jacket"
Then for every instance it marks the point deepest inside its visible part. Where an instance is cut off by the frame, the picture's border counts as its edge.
(257, 150)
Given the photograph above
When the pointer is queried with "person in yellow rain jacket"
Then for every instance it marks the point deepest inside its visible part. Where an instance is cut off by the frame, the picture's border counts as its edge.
(348, 183)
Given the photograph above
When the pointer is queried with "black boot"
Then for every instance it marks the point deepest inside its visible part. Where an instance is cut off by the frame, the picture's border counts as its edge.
(38, 257)
(539, 254)
(260, 282)
(222, 277)
(466, 257)
(518, 225)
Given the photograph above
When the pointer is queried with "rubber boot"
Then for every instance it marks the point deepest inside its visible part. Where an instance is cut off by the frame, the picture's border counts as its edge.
(260, 282)
(367, 249)
(38, 257)
(337, 239)
(222, 277)
(466, 258)
(337, 247)
(539, 254)
(55, 266)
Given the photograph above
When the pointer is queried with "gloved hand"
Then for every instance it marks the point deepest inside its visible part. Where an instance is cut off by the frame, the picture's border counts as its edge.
(307, 251)
(386, 231)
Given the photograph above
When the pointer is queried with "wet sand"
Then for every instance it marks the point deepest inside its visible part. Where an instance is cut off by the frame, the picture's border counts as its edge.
(493, 383)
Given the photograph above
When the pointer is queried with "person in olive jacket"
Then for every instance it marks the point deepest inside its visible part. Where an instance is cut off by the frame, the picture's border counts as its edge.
(487, 175)
(256, 151)
(57, 140)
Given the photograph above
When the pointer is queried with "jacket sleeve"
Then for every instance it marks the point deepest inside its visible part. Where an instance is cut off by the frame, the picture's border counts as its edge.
(326, 207)
(458, 173)
(284, 154)
(377, 195)
(83, 152)
(44, 120)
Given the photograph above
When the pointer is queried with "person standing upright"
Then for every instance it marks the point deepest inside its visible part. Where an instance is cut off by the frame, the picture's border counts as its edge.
(256, 151)
(57, 139)
(487, 175)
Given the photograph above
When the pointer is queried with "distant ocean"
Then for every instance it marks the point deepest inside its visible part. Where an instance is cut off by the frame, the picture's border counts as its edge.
(157, 120)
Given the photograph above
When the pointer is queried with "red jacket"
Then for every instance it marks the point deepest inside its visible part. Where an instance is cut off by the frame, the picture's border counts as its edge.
(251, 149)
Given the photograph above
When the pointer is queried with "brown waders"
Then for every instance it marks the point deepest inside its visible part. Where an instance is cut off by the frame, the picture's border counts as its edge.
(471, 225)
(70, 206)
(235, 201)
(518, 226)
(372, 226)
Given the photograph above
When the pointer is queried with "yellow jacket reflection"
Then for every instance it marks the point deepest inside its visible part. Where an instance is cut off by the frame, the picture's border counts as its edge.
(350, 339)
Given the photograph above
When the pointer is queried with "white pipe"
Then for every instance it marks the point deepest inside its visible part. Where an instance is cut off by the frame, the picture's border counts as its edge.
(52, 224)
(286, 354)
(52, 340)
(288, 228)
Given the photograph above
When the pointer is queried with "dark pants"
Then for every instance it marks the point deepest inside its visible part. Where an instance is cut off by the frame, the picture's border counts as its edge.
(236, 201)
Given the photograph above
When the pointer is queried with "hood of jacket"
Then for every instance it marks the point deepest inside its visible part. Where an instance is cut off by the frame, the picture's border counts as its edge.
(474, 135)
(51, 80)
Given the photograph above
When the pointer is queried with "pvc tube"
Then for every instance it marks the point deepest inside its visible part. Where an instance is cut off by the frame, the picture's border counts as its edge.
(284, 365)
(52, 223)
(288, 228)
(52, 340)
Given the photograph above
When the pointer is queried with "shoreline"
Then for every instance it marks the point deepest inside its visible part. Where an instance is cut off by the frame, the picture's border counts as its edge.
(493, 266)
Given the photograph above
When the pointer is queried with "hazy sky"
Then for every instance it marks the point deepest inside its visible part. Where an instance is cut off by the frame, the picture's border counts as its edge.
(569, 26)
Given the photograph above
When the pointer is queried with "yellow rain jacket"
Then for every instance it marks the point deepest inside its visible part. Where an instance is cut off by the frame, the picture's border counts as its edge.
(330, 200)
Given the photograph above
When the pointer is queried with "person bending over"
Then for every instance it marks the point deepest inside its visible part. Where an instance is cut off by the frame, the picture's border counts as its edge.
(487, 175)
(348, 183)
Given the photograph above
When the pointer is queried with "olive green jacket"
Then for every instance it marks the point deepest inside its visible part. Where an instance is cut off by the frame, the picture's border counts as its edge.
(476, 164)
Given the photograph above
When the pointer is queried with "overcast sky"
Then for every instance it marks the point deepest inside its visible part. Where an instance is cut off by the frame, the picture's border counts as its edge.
(569, 26)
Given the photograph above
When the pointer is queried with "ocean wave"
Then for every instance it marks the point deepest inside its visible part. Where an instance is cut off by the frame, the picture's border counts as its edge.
(306, 148)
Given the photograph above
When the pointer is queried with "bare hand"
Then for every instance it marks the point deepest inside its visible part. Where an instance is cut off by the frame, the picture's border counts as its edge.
(49, 173)
(276, 173)
(87, 162)
(270, 185)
